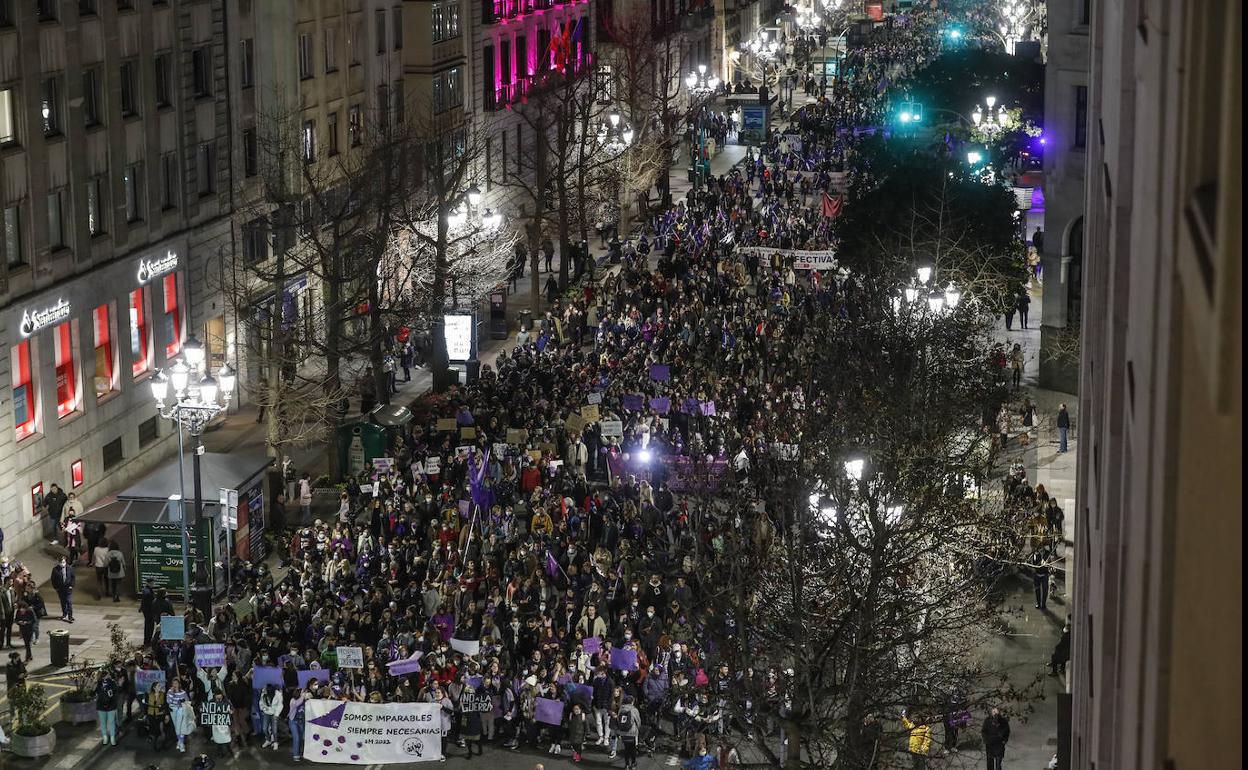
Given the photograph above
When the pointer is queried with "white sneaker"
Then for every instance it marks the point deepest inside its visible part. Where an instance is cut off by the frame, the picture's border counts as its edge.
(611, 755)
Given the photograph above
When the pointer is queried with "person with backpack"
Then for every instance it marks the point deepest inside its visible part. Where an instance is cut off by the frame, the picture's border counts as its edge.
(106, 707)
(627, 725)
(116, 569)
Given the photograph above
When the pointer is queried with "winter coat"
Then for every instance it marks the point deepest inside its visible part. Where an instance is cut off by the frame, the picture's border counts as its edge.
(578, 727)
(182, 711)
(920, 737)
(272, 707)
(996, 732)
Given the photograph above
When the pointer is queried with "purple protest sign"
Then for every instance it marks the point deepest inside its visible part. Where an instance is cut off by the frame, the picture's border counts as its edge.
(319, 674)
(634, 402)
(624, 660)
(144, 679)
(660, 372)
(549, 711)
(210, 655)
(690, 406)
(592, 645)
(265, 675)
(563, 679)
(661, 405)
(475, 682)
(464, 508)
(708, 408)
(407, 666)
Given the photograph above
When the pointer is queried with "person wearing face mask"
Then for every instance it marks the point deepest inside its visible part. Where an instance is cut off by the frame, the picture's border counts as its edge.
(702, 760)
(63, 580)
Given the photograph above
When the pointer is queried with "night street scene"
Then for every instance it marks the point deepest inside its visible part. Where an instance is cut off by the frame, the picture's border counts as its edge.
(626, 384)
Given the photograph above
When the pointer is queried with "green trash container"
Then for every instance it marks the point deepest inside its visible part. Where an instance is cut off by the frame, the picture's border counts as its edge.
(58, 646)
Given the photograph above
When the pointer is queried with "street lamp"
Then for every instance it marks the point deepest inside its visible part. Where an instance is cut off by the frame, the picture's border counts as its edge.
(198, 397)
(700, 83)
(988, 123)
(615, 135)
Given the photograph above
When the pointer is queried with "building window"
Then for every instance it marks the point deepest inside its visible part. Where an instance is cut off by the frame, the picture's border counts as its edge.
(309, 141)
(206, 167)
(25, 413)
(56, 226)
(86, 7)
(446, 90)
(201, 71)
(129, 75)
(251, 157)
(255, 242)
(114, 455)
(91, 98)
(354, 129)
(8, 116)
(332, 127)
(6, 13)
(105, 353)
(50, 106)
(489, 163)
(169, 180)
(1081, 117)
(381, 30)
(331, 49)
(445, 21)
(66, 376)
(173, 316)
(397, 90)
(305, 57)
(36, 498)
(13, 236)
(247, 63)
(140, 351)
(164, 80)
(75, 474)
(46, 9)
(398, 28)
(132, 180)
(383, 106)
(355, 43)
(149, 431)
(95, 205)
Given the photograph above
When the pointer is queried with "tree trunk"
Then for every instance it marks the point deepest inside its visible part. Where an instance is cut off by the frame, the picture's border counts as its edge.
(333, 359)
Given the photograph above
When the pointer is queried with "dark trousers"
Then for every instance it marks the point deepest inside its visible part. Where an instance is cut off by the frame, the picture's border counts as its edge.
(66, 595)
(1022, 318)
(101, 581)
(630, 751)
(994, 763)
(1042, 592)
(149, 629)
(6, 638)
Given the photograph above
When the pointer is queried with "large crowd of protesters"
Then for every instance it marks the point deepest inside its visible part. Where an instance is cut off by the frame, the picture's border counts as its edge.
(534, 525)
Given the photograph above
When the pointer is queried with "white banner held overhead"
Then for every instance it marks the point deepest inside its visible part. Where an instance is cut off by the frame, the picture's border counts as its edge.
(347, 733)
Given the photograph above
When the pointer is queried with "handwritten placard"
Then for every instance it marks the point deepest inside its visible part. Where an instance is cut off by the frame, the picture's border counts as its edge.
(549, 711)
(517, 436)
(433, 465)
(350, 657)
(593, 398)
(210, 655)
(172, 628)
(143, 679)
(592, 645)
(612, 428)
(468, 431)
(447, 424)
(590, 413)
(574, 424)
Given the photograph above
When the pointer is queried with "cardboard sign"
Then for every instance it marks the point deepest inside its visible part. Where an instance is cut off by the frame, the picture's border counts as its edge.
(467, 431)
(612, 428)
(210, 655)
(433, 465)
(534, 454)
(447, 424)
(143, 680)
(590, 413)
(517, 436)
(383, 464)
(476, 703)
(214, 713)
(549, 711)
(593, 398)
(350, 657)
(574, 424)
(172, 628)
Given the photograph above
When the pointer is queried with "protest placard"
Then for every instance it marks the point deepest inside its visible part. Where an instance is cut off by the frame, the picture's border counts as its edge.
(319, 674)
(463, 450)
(210, 655)
(624, 660)
(265, 675)
(143, 679)
(500, 450)
(172, 628)
(612, 428)
(433, 465)
(447, 424)
(593, 398)
(634, 402)
(660, 372)
(467, 431)
(574, 424)
(350, 657)
(549, 711)
(661, 405)
(215, 713)
(383, 464)
(534, 454)
(592, 645)
(468, 647)
(517, 436)
(476, 703)
(590, 413)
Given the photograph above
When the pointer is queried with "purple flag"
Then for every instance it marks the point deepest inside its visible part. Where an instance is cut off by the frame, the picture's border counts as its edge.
(660, 372)
(265, 675)
(552, 566)
(549, 711)
(592, 645)
(661, 405)
(633, 402)
(406, 666)
(624, 660)
(708, 408)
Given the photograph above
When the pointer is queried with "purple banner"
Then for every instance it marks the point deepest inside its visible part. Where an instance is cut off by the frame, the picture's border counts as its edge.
(690, 406)
(265, 675)
(708, 408)
(634, 402)
(549, 711)
(624, 660)
(592, 645)
(660, 372)
(661, 405)
(407, 666)
(319, 674)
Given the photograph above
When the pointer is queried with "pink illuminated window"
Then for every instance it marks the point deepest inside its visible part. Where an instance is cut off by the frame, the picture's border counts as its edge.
(66, 374)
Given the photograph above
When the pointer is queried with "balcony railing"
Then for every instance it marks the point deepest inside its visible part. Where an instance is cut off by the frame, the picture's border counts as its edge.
(494, 11)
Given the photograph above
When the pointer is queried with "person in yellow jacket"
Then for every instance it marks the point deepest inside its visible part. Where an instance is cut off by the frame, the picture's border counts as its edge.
(920, 742)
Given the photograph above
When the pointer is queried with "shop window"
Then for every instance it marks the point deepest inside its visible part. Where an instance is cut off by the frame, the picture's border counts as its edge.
(75, 474)
(25, 404)
(67, 401)
(173, 316)
(140, 355)
(105, 353)
(36, 499)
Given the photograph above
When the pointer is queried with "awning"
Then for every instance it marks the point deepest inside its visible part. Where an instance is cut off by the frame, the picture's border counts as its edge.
(139, 512)
(235, 470)
(390, 415)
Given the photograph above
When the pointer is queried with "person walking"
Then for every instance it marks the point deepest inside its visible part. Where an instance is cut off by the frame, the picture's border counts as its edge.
(996, 733)
(27, 621)
(628, 726)
(181, 711)
(221, 728)
(1040, 580)
(1016, 364)
(14, 672)
(63, 580)
(54, 503)
(157, 712)
(116, 570)
(270, 708)
(1024, 303)
(295, 717)
(99, 560)
(106, 707)
(305, 497)
(1063, 428)
(578, 730)
(8, 611)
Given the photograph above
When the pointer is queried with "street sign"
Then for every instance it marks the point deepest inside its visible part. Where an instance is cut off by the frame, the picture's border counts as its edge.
(229, 508)
(158, 553)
